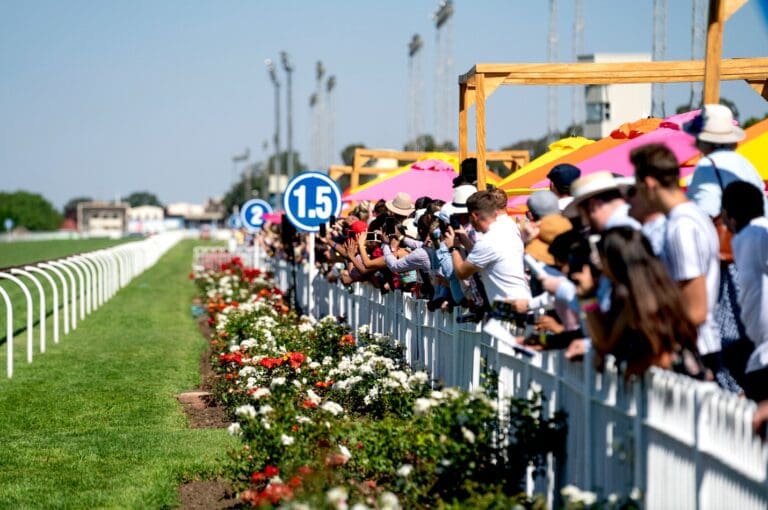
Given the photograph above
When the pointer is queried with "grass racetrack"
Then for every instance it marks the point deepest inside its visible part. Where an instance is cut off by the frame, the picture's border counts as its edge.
(27, 252)
(94, 422)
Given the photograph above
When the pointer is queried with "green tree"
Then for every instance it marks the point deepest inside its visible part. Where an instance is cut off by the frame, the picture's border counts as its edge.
(138, 198)
(751, 121)
(29, 210)
(427, 143)
(70, 208)
(348, 154)
(255, 184)
(723, 101)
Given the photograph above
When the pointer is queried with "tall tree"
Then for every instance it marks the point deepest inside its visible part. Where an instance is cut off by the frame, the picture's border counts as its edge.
(29, 210)
(138, 198)
(348, 154)
(70, 208)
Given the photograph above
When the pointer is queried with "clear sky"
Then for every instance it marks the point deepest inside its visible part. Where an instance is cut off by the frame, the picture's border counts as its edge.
(105, 97)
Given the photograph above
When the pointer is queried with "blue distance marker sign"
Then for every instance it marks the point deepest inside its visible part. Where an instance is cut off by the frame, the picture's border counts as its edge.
(234, 221)
(310, 199)
(252, 211)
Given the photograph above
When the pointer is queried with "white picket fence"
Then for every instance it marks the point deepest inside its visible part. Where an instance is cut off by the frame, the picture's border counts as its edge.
(75, 286)
(684, 444)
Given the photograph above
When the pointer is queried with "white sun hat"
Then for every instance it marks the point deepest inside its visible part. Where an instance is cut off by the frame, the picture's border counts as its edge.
(715, 125)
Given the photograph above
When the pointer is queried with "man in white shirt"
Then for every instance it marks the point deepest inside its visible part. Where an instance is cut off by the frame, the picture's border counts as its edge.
(716, 138)
(691, 247)
(744, 214)
(498, 254)
(598, 198)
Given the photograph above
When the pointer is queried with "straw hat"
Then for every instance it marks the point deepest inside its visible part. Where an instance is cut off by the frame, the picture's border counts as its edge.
(715, 125)
(401, 205)
(550, 227)
(411, 231)
(590, 185)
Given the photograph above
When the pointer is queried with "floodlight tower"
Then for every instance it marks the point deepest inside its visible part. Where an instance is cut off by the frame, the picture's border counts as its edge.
(698, 44)
(330, 123)
(552, 56)
(313, 131)
(317, 118)
(276, 166)
(577, 93)
(444, 74)
(415, 114)
(288, 67)
(659, 52)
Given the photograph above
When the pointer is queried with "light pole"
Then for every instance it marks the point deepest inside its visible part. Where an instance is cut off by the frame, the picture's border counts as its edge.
(276, 168)
(289, 106)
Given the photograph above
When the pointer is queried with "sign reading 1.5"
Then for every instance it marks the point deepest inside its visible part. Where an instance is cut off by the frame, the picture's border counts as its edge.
(310, 199)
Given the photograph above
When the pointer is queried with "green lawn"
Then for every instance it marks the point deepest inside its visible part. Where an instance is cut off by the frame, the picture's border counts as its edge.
(27, 252)
(94, 422)
(24, 252)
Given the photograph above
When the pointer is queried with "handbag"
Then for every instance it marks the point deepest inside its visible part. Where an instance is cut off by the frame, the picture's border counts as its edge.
(723, 234)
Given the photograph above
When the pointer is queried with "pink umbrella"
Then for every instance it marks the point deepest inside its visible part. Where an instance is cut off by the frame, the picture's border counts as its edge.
(275, 217)
(616, 159)
(430, 178)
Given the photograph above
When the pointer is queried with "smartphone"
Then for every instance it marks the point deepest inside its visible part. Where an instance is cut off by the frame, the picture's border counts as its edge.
(455, 222)
(372, 237)
(323, 230)
(332, 220)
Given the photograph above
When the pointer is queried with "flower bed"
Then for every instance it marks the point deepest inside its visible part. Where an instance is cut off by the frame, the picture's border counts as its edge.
(331, 418)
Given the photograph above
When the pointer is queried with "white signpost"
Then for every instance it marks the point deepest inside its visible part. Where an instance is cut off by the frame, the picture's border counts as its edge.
(309, 200)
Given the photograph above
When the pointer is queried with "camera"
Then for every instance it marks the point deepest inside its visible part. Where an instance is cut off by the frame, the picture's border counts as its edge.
(504, 311)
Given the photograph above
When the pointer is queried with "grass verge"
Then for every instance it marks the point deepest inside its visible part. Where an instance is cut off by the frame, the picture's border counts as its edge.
(27, 252)
(94, 422)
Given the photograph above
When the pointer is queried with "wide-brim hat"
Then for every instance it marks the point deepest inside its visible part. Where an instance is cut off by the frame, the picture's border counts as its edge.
(460, 196)
(401, 204)
(715, 125)
(590, 185)
(409, 226)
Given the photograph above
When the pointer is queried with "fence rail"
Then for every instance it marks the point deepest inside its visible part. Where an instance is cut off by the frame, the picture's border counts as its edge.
(86, 280)
(685, 444)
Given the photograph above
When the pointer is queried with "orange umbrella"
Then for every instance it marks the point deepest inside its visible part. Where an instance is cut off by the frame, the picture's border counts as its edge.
(619, 135)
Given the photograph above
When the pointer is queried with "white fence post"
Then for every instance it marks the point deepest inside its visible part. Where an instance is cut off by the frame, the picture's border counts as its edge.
(8, 332)
(64, 293)
(41, 291)
(55, 295)
(28, 297)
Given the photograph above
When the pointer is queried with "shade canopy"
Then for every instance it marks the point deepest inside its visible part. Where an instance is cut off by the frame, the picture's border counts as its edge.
(431, 176)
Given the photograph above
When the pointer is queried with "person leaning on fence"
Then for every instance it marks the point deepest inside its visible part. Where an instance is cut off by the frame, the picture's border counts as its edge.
(497, 255)
(719, 165)
(646, 323)
(744, 214)
(691, 249)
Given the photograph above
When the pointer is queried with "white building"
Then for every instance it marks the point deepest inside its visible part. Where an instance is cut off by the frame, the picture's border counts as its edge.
(102, 218)
(609, 106)
(146, 219)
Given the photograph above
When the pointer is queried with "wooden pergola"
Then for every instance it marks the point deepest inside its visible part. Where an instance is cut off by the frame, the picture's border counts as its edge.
(483, 79)
(511, 159)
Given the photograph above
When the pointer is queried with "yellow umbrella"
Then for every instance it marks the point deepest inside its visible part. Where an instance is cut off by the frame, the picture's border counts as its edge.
(557, 150)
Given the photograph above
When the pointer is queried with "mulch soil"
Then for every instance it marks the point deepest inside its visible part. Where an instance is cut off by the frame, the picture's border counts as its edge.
(203, 412)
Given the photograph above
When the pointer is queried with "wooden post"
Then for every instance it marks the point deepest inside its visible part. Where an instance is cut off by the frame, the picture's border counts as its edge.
(480, 129)
(714, 51)
(463, 115)
(354, 178)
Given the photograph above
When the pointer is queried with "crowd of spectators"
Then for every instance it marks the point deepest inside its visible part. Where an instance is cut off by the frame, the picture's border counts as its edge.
(639, 267)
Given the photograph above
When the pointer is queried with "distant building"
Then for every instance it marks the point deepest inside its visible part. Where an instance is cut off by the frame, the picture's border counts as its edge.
(146, 219)
(186, 215)
(609, 106)
(102, 218)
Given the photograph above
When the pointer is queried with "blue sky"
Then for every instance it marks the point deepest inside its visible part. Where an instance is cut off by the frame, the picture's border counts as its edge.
(103, 98)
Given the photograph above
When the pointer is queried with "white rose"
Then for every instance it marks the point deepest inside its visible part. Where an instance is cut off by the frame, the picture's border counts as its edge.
(405, 470)
(235, 430)
(287, 440)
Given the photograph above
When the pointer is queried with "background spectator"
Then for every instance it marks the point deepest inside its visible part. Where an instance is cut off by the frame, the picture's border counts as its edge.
(560, 179)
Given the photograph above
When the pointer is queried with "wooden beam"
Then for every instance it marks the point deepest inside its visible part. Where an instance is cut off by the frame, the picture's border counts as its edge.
(760, 86)
(480, 129)
(590, 73)
(712, 62)
(731, 6)
(463, 116)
